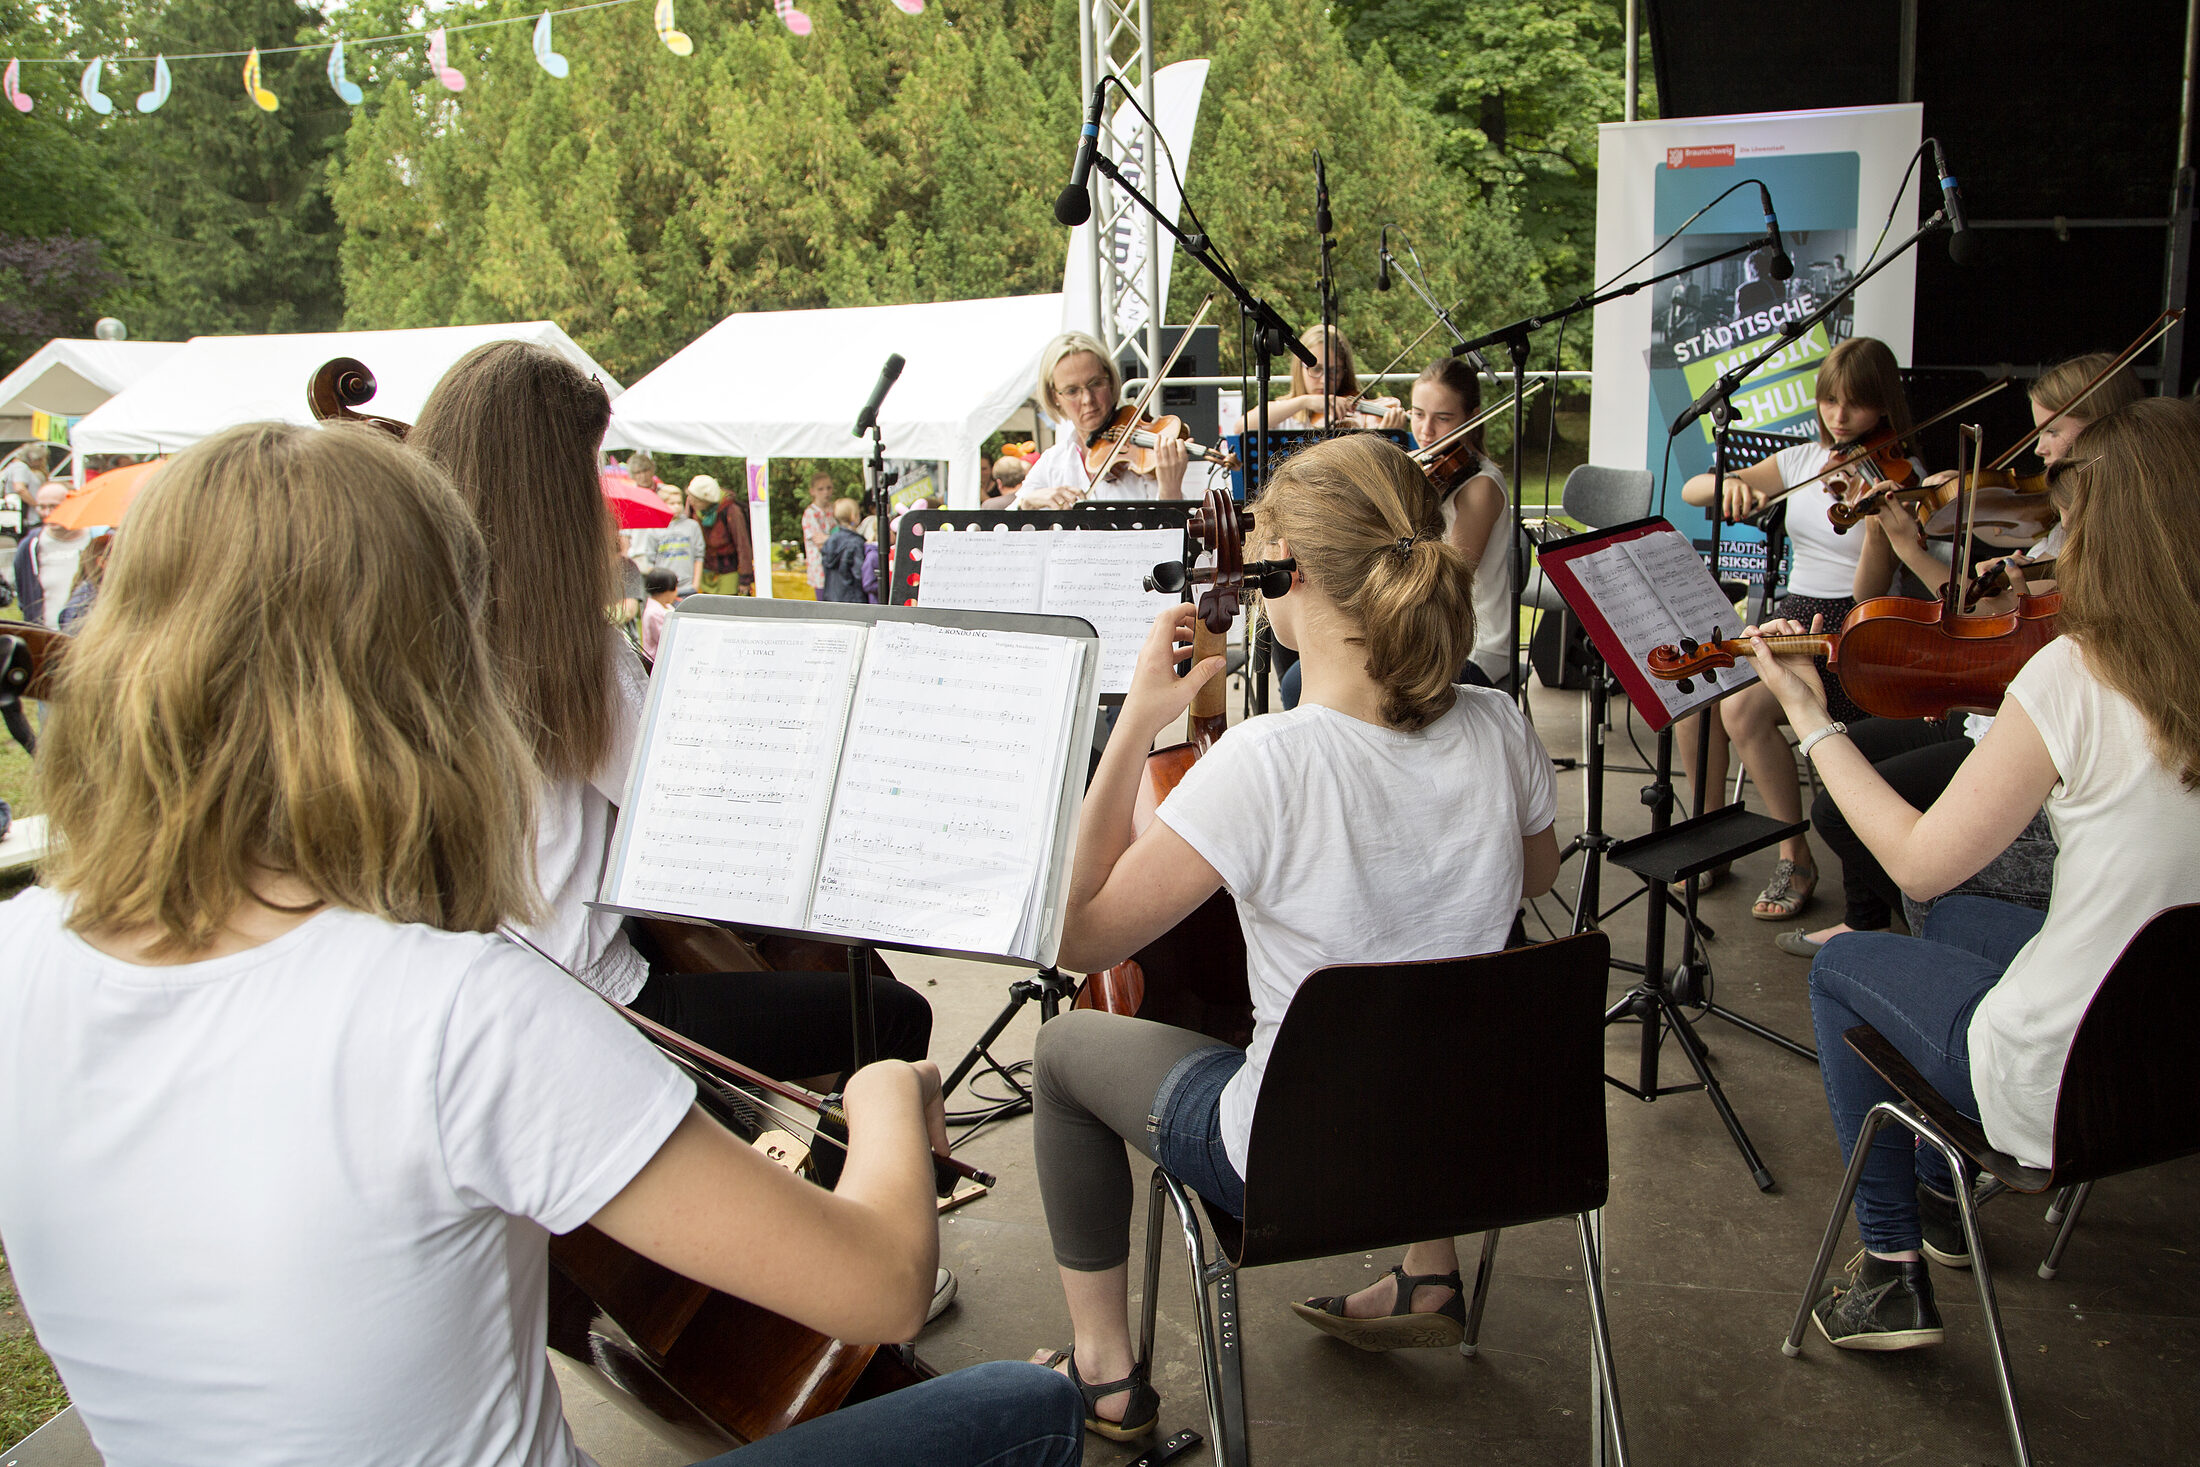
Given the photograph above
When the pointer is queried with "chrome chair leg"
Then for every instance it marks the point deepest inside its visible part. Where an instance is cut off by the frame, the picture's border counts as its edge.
(1984, 1278)
(1874, 1118)
(2070, 1204)
(1600, 1335)
(2061, 1205)
(1149, 1304)
(1482, 1272)
(1219, 1358)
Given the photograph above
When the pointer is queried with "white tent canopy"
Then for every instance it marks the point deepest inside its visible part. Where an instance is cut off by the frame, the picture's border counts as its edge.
(69, 378)
(215, 382)
(788, 384)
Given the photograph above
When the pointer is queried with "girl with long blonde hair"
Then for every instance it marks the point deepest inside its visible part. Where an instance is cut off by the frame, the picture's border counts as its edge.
(1420, 815)
(2102, 726)
(284, 1126)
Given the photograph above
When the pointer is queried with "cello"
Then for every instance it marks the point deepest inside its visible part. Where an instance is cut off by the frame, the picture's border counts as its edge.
(1898, 656)
(707, 1369)
(1193, 975)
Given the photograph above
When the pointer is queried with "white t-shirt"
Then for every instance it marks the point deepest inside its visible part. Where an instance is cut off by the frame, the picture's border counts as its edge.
(290, 1205)
(1345, 842)
(57, 561)
(2128, 839)
(1063, 466)
(573, 821)
(1825, 562)
(1496, 638)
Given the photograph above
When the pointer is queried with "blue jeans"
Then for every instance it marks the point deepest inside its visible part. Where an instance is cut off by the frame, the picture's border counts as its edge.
(999, 1415)
(1919, 993)
(1186, 1122)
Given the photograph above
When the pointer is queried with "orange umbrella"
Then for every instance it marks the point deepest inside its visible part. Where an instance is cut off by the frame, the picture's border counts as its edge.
(105, 500)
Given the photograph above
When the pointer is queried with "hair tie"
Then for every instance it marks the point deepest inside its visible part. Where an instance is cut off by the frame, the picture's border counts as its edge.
(1405, 545)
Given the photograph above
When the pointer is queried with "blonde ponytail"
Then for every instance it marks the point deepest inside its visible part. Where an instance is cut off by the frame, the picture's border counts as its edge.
(1365, 526)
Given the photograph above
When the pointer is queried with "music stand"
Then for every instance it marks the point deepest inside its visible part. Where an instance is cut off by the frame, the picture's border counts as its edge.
(1634, 586)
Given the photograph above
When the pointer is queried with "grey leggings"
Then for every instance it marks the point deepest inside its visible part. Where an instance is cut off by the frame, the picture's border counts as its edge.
(1095, 1076)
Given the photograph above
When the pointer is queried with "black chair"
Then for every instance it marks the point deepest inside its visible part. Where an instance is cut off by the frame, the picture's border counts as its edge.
(2130, 1098)
(1493, 1063)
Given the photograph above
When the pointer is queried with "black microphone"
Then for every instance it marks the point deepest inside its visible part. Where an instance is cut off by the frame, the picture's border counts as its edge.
(1382, 258)
(1073, 205)
(1322, 223)
(1962, 244)
(868, 418)
(1783, 268)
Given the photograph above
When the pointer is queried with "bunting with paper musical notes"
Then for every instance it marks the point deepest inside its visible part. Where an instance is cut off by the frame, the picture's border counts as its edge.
(93, 73)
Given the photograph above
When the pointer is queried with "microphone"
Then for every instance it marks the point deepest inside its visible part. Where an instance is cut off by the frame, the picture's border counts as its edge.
(1073, 205)
(1783, 268)
(868, 418)
(1382, 257)
(1962, 244)
(1322, 223)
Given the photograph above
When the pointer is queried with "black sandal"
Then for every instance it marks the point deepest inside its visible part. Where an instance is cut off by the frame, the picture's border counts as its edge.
(1401, 1329)
(1144, 1404)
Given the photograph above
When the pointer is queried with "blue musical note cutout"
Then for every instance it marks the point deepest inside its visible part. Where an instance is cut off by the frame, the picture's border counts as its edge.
(545, 57)
(348, 90)
(150, 101)
(89, 90)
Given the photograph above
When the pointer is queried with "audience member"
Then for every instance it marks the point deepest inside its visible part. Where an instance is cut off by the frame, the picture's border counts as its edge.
(91, 570)
(817, 528)
(842, 557)
(729, 554)
(663, 590)
(45, 563)
(1008, 477)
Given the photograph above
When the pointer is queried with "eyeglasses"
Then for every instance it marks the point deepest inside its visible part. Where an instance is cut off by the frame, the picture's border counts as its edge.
(1093, 388)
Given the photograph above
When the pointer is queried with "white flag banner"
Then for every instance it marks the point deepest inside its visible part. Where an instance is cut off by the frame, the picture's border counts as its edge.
(1176, 92)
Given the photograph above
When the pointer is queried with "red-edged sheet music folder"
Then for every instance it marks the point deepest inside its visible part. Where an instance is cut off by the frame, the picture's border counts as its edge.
(1641, 585)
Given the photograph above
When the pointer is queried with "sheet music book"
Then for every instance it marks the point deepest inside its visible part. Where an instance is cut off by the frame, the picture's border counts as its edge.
(1099, 575)
(1642, 585)
(877, 774)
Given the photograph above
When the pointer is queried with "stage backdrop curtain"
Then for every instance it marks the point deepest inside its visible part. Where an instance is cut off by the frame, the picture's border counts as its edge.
(214, 382)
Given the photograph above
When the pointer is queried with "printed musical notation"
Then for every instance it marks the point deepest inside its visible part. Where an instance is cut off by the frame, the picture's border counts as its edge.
(739, 775)
(1096, 574)
(945, 813)
(1654, 590)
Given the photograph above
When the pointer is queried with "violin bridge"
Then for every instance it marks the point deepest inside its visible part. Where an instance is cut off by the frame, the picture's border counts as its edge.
(784, 1148)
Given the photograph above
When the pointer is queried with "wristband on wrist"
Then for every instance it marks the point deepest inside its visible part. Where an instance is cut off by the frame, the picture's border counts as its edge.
(1813, 739)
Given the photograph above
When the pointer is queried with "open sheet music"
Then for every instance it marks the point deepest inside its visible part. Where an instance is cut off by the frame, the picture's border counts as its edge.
(1640, 586)
(1099, 575)
(898, 781)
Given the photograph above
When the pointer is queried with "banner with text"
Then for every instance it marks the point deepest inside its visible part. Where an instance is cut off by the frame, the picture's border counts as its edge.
(1832, 175)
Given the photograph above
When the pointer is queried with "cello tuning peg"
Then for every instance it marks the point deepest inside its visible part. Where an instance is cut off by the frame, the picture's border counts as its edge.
(1168, 577)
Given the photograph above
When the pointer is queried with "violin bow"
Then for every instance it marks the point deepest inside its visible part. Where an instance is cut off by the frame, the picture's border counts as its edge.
(695, 1055)
(1352, 403)
(1915, 428)
(2123, 359)
(1436, 449)
(1971, 437)
(1153, 385)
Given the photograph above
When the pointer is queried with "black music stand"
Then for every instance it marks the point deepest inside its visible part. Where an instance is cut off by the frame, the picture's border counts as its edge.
(1670, 852)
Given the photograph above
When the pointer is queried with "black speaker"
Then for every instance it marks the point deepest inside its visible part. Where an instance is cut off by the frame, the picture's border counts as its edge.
(1199, 407)
(1560, 652)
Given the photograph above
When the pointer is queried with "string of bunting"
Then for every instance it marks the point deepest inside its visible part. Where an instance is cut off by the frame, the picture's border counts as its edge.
(89, 86)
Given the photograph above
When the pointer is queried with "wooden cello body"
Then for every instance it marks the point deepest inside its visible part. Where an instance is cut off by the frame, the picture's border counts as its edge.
(1193, 975)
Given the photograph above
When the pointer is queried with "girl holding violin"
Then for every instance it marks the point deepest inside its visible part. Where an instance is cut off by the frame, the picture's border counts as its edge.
(1419, 815)
(517, 428)
(1333, 381)
(1860, 401)
(2102, 726)
(1079, 387)
(1919, 758)
(336, 1118)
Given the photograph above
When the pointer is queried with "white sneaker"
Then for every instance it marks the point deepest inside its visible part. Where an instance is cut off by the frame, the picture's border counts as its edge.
(943, 1294)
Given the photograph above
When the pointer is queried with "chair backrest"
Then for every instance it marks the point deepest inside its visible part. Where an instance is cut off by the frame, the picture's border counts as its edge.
(1405, 1101)
(1599, 497)
(2130, 1093)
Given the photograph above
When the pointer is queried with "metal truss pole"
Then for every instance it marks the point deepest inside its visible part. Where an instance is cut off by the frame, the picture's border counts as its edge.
(1115, 43)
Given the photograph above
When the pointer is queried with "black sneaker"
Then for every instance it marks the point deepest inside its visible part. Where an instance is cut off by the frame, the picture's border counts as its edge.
(1884, 1306)
(1942, 1226)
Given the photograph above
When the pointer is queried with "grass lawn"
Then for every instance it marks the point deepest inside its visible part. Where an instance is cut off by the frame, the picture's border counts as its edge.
(30, 1392)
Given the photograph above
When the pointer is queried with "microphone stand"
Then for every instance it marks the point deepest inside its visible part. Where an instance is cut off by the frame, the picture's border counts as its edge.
(1514, 338)
(1272, 335)
(877, 493)
(1436, 308)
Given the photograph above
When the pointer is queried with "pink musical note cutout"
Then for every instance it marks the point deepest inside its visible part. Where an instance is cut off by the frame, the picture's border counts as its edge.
(439, 61)
(910, 7)
(17, 97)
(794, 19)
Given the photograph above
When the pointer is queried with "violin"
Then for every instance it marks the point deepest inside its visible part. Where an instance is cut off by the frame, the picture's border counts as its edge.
(1455, 456)
(30, 655)
(716, 1371)
(1899, 656)
(1192, 976)
(1878, 454)
(1133, 442)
